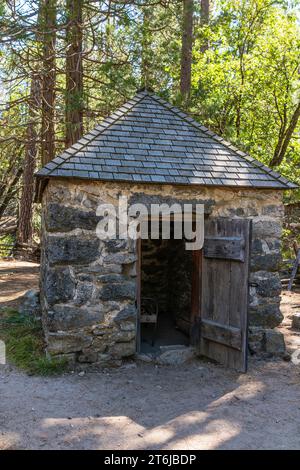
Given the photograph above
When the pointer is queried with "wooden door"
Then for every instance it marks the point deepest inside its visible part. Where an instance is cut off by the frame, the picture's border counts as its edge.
(224, 303)
(195, 325)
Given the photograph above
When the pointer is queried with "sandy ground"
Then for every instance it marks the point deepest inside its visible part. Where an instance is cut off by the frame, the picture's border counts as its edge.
(142, 406)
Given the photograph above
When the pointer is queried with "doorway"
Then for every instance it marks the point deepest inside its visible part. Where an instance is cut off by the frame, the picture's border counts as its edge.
(166, 300)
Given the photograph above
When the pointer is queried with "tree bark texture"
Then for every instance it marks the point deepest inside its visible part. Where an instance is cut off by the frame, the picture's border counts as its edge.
(24, 232)
(285, 137)
(48, 35)
(186, 52)
(74, 72)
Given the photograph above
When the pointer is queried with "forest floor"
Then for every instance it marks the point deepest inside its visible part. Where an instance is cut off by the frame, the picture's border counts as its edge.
(142, 406)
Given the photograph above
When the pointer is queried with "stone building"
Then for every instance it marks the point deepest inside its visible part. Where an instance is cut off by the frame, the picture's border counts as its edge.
(95, 291)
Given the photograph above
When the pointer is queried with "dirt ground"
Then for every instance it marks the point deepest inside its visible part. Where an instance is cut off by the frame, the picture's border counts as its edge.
(141, 406)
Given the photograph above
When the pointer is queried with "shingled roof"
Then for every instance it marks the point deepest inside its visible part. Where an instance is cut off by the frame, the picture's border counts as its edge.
(148, 140)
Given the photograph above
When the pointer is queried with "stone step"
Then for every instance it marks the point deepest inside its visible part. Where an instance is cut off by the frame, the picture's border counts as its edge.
(169, 347)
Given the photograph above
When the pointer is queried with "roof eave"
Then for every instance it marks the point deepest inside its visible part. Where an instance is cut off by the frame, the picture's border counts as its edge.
(42, 181)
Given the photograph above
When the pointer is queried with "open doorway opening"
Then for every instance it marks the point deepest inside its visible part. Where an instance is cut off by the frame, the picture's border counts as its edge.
(166, 274)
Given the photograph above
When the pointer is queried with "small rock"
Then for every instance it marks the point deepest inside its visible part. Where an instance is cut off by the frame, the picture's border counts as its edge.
(81, 374)
(130, 365)
(274, 342)
(30, 304)
(176, 356)
(296, 321)
(144, 357)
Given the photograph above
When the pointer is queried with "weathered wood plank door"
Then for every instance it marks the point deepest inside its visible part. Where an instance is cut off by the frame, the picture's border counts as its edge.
(224, 303)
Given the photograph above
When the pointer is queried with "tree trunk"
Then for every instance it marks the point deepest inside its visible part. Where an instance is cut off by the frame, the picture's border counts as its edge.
(24, 233)
(74, 72)
(49, 77)
(285, 138)
(204, 16)
(10, 191)
(186, 52)
(146, 59)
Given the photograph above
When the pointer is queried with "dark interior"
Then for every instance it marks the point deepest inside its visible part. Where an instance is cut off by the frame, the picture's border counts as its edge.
(166, 280)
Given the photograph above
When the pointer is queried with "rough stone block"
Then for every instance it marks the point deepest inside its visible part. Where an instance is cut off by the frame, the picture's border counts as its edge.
(123, 349)
(266, 228)
(70, 358)
(105, 278)
(128, 326)
(100, 269)
(256, 336)
(71, 249)
(61, 218)
(267, 315)
(127, 313)
(148, 199)
(242, 212)
(120, 291)
(265, 262)
(84, 293)
(106, 360)
(101, 330)
(274, 342)
(266, 284)
(88, 356)
(124, 336)
(59, 285)
(64, 343)
(115, 246)
(273, 210)
(30, 304)
(120, 258)
(100, 343)
(176, 356)
(265, 255)
(69, 317)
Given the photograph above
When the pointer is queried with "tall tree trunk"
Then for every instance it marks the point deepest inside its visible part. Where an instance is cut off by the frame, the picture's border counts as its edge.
(24, 232)
(146, 81)
(49, 77)
(9, 191)
(204, 17)
(74, 72)
(186, 52)
(285, 138)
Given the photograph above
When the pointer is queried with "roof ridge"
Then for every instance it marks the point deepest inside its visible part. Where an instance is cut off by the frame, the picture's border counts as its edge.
(105, 124)
(220, 139)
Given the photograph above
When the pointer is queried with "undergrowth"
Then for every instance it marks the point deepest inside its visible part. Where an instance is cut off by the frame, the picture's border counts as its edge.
(24, 344)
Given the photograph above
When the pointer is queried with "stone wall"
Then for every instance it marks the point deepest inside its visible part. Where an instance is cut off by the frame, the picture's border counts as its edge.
(88, 287)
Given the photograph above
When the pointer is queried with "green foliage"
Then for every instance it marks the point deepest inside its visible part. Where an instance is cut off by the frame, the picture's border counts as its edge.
(6, 243)
(25, 345)
(247, 83)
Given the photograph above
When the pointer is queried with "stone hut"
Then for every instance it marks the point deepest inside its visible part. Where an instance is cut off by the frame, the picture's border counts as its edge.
(94, 292)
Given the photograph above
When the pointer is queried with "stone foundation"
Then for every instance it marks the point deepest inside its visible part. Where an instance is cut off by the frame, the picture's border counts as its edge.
(88, 286)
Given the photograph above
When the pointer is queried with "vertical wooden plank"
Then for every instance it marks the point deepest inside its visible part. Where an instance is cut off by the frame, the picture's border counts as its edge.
(239, 297)
(221, 281)
(225, 292)
(196, 300)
